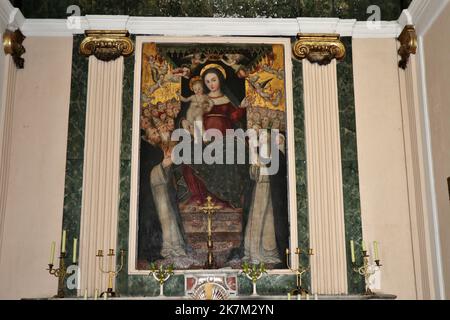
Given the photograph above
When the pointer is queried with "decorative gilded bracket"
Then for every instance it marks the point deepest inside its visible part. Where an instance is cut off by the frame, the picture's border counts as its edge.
(12, 44)
(408, 45)
(107, 45)
(319, 48)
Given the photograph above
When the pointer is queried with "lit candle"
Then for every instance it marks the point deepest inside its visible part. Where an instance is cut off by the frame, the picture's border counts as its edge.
(52, 253)
(63, 246)
(85, 294)
(74, 258)
(352, 248)
(364, 246)
(375, 249)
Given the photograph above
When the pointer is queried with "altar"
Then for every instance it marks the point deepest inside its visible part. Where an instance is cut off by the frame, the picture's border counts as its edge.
(199, 150)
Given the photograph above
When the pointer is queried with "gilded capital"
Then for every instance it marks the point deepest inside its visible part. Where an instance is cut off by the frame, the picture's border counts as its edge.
(408, 45)
(107, 45)
(12, 44)
(319, 48)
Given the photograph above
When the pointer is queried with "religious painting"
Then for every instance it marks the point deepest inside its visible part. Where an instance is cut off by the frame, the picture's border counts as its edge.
(212, 154)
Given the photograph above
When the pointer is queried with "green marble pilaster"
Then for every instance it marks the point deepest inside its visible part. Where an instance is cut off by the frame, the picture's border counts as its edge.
(349, 154)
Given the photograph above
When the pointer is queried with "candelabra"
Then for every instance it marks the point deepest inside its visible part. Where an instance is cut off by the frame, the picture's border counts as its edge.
(367, 270)
(112, 273)
(60, 273)
(209, 209)
(299, 272)
(254, 272)
(161, 274)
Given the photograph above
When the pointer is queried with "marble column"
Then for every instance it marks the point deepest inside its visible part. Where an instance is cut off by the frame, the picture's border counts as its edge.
(323, 156)
(101, 177)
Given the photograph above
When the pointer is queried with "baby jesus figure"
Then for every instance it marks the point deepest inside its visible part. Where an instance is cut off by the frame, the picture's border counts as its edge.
(200, 103)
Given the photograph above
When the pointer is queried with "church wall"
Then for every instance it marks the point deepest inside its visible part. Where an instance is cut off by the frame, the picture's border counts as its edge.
(381, 155)
(35, 197)
(437, 62)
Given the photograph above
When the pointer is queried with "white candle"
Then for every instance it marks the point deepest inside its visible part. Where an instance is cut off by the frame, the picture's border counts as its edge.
(52, 253)
(289, 296)
(364, 246)
(352, 248)
(316, 297)
(85, 294)
(307, 296)
(96, 294)
(375, 249)
(63, 246)
(299, 297)
(105, 296)
(74, 258)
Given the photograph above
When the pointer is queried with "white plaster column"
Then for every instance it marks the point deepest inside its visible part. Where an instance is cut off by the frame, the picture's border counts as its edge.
(324, 173)
(101, 177)
(6, 124)
(415, 171)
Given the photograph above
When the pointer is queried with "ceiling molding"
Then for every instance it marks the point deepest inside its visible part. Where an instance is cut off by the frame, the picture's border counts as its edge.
(422, 14)
(174, 26)
(10, 17)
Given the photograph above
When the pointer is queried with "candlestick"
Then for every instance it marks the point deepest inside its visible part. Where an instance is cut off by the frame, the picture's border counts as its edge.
(254, 272)
(375, 249)
(352, 247)
(60, 272)
(367, 269)
(161, 274)
(112, 272)
(52, 253)
(300, 269)
(74, 257)
(63, 246)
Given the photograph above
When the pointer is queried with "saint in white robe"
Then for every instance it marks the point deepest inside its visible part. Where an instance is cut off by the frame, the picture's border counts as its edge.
(260, 244)
(173, 245)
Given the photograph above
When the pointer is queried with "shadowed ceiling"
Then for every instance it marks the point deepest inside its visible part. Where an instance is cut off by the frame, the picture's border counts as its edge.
(346, 9)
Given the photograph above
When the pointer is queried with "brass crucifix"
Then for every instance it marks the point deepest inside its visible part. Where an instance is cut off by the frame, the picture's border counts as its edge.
(209, 209)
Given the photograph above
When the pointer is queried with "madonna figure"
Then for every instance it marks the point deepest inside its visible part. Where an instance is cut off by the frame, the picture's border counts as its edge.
(226, 113)
(227, 110)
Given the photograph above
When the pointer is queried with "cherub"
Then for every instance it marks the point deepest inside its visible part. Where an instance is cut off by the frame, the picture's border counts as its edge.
(234, 60)
(196, 59)
(200, 103)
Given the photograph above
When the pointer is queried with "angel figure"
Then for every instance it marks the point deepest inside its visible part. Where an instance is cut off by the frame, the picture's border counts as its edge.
(195, 59)
(235, 60)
